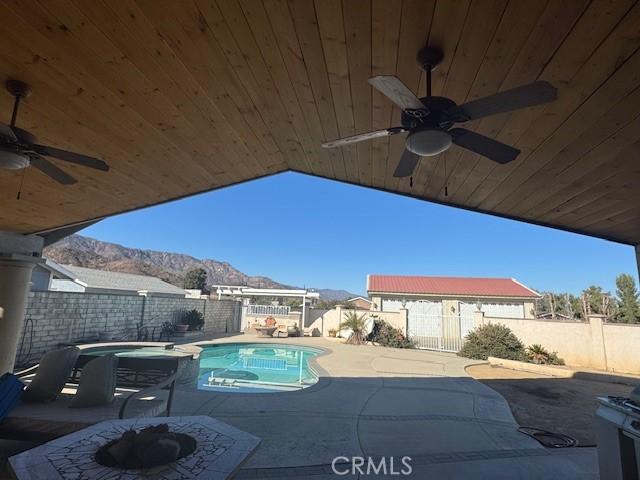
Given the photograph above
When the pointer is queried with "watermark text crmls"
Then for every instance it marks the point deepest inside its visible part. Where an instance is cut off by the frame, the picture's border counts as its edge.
(396, 466)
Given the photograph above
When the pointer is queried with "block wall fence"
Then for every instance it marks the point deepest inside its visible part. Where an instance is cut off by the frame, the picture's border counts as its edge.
(54, 318)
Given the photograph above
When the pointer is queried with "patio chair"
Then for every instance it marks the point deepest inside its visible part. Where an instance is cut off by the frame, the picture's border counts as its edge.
(281, 331)
(145, 388)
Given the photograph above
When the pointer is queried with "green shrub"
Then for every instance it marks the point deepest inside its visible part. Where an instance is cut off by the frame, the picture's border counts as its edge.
(388, 336)
(492, 340)
(538, 354)
(194, 319)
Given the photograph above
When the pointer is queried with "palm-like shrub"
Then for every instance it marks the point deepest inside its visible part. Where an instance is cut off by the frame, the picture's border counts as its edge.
(493, 340)
(538, 354)
(356, 324)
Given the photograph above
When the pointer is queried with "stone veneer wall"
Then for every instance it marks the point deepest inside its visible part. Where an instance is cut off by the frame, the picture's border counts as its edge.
(53, 318)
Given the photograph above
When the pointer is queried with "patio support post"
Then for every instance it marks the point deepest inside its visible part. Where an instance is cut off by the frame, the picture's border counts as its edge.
(638, 258)
(304, 311)
(18, 255)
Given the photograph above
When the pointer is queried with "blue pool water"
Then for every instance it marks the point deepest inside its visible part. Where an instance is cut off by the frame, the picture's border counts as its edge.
(255, 368)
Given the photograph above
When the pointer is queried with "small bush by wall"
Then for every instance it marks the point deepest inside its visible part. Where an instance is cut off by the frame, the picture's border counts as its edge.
(493, 340)
(388, 336)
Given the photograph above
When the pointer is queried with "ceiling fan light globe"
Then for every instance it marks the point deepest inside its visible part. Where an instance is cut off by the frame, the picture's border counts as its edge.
(428, 143)
(13, 161)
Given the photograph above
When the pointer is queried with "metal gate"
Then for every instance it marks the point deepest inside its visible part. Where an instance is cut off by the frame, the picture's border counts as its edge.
(430, 329)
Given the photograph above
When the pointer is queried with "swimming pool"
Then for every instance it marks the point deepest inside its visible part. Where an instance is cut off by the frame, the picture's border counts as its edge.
(256, 367)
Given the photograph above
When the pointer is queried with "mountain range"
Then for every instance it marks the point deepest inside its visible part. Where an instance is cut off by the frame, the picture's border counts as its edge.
(170, 267)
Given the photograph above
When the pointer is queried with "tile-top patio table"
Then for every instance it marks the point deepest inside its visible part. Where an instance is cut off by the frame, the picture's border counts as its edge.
(220, 452)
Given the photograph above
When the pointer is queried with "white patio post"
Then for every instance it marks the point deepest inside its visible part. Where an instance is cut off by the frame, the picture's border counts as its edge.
(304, 311)
(18, 255)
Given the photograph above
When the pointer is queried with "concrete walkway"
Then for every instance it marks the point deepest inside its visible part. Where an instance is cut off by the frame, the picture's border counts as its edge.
(374, 402)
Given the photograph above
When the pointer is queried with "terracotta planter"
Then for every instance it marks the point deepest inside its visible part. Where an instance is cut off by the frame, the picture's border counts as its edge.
(181, 328)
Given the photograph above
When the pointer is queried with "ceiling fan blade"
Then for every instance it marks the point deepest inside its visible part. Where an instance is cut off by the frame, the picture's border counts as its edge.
(407, 164)
(529, 95)
(397, 92)
(7, 133)
(485, 146)
(71, 157)
(364, 136)
(48, 168)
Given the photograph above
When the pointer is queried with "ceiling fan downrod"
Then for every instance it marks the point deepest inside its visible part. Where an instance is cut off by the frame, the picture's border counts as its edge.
(429, 58)
(19, 90)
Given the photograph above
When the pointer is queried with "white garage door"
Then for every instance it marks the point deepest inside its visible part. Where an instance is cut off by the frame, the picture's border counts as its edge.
(499, 310)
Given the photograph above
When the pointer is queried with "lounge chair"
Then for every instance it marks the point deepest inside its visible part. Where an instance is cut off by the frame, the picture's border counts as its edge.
(145, 388)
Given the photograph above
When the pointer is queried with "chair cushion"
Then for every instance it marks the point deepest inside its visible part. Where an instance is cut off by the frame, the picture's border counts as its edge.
(97, 382)
(59, 410)
(52, 374)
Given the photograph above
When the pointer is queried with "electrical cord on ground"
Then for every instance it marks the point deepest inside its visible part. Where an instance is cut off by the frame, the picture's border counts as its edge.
(549, 439)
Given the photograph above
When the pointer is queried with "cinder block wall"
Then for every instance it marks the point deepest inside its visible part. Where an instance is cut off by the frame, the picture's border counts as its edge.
(222, 316)
(53, 318)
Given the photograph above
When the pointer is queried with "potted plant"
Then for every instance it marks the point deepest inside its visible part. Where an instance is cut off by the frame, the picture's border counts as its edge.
(180, 326)
(194, 320)
(333, 332)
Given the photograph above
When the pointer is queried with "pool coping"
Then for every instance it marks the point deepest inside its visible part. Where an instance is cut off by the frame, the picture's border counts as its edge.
(324, 378)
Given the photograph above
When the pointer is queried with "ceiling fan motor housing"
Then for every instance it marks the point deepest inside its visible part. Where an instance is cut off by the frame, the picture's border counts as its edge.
(433, 116)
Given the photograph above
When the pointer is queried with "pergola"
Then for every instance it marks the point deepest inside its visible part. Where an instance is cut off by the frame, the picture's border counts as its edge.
(245, 293)
(181, 97)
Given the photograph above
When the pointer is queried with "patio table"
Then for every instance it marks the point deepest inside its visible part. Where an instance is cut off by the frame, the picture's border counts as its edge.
(265, 331)
(220, 452)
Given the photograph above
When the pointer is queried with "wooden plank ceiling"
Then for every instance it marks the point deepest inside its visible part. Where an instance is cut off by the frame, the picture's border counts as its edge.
(186, 96)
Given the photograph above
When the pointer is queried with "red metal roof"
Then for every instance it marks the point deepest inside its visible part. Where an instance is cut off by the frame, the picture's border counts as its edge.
(484, 287)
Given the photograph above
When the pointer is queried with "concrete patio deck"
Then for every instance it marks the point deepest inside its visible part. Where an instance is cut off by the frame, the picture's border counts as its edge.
(376, 401)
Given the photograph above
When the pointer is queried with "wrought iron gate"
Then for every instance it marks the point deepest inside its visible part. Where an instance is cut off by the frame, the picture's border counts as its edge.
(435, 331)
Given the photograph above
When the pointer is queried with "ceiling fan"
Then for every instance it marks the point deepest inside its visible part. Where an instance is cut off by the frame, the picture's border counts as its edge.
(429, 120)
(19, 149)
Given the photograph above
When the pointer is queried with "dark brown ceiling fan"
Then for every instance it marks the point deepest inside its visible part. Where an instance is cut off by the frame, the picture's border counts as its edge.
(19, 149)
(429, 120)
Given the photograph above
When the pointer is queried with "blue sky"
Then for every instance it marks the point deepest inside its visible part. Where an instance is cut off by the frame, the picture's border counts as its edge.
(306, 231)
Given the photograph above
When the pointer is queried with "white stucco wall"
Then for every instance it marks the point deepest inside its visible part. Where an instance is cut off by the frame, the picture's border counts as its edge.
(593, 344)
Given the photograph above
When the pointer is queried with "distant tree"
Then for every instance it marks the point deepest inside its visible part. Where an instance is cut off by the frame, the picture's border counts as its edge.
(328, 304)
(627, 300)
(195, 278)
(595, 300)
(559, 303)
(572, 306)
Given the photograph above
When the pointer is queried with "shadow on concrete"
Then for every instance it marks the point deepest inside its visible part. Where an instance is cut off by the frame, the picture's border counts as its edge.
(562, 405)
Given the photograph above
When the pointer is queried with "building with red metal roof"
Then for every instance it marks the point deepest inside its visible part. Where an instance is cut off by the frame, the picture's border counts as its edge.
(436, 296)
